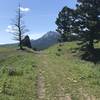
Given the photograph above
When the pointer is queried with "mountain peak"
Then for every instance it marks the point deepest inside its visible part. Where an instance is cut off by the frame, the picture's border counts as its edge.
(51, 33)
(49, 39)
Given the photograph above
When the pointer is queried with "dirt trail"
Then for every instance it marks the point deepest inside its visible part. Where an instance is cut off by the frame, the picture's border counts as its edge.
(61, 95)
(40, 87)
(85, 96)
(65, 97)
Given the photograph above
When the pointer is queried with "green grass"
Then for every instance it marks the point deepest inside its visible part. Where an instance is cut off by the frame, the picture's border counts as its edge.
(20, 85)
(62, 70)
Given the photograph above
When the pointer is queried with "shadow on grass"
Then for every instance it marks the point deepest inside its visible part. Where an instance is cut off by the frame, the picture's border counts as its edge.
(93, 56)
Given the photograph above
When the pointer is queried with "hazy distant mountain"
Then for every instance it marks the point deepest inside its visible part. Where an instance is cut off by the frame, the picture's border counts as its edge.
(46, 41)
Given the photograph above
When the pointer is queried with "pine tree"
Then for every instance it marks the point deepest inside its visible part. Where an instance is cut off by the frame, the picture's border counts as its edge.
(87, 22)
(64, 23)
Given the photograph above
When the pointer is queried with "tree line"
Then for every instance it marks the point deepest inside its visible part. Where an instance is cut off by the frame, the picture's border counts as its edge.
(83, 22)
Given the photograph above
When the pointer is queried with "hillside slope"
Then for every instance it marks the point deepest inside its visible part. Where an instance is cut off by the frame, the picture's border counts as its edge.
(17, 74)
(52, 74)
(66, 76)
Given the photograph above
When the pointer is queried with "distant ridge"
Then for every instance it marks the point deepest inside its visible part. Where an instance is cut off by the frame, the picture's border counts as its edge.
(47, 40)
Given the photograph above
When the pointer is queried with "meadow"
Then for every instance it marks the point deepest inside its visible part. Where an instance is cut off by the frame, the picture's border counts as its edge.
(56, 73)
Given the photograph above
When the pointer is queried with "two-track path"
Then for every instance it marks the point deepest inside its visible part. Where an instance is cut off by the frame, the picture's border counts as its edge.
(41, 88)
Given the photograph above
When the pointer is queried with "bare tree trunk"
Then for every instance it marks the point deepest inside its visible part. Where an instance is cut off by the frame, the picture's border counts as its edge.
(20, 28)
(19, 25)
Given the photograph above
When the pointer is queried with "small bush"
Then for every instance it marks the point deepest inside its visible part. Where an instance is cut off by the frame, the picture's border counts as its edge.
(34, 65)
(57, 54)
(61, 44)
(12, 72)
(59, 49)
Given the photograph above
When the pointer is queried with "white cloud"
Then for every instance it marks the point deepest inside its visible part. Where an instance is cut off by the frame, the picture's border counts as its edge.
(24, 9)
(36, 35)
(11, 29)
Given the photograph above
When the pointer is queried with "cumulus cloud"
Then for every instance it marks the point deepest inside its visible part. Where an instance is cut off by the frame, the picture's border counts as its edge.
(11, 29)
(24, 9)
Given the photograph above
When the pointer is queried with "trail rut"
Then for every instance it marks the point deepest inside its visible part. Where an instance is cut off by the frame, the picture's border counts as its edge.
(40, 87)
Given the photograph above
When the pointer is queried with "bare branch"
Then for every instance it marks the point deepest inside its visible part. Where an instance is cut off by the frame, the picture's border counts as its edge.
(19, 28)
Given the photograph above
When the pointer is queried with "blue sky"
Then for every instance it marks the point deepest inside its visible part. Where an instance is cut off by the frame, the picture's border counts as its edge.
(40, 16)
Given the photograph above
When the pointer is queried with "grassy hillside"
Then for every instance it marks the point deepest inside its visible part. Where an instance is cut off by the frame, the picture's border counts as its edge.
(17, 75)
(65, 74)
(53, 74)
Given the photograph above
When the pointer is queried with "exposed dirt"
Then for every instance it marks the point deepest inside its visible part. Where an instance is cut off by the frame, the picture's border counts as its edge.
(40, 87)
